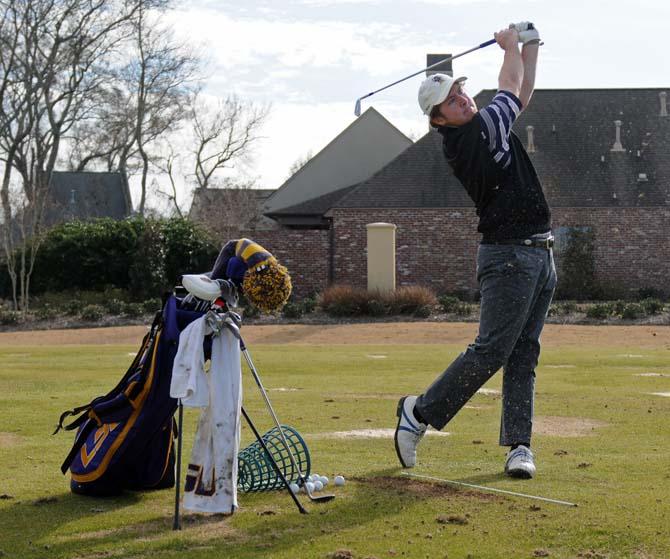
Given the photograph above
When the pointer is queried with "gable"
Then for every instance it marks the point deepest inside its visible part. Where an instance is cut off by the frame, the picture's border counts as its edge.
(368, 144)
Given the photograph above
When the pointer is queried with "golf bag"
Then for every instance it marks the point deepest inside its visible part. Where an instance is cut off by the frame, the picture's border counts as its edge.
(125, 438)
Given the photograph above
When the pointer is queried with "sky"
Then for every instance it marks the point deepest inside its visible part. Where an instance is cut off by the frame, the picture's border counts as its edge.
(311, 59)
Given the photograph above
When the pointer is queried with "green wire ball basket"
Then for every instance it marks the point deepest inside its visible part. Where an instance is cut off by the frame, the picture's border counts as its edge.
(255, 471)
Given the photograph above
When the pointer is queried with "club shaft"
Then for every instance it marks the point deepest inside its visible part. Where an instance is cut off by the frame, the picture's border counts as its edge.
(273, 461)
(294, 462)
(176, 525)
(448, 59)
(257, 378)
(493, 490)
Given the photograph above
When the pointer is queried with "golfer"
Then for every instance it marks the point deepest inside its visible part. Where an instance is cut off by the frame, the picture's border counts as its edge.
(515, 267)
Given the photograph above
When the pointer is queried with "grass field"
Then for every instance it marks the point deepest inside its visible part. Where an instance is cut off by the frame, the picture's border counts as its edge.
(601, 441)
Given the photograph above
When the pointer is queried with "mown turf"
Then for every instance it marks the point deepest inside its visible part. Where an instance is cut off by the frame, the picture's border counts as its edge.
(618, 473)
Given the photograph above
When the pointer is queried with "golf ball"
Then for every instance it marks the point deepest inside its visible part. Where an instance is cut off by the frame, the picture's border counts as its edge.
(339, 480)
(310, 486)
(318, 486)
(324, 480)
(294, 488)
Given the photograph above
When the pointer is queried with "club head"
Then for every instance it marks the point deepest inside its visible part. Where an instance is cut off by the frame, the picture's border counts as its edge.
(357, 108)
(321, 498)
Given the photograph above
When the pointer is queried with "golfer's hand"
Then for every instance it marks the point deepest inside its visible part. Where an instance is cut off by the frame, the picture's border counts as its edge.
(507, 38)
(528, 34)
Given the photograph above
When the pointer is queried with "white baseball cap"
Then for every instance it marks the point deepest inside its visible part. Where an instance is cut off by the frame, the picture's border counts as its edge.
(434, 89)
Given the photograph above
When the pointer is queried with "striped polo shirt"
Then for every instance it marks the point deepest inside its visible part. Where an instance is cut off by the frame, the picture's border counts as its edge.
(497, 119)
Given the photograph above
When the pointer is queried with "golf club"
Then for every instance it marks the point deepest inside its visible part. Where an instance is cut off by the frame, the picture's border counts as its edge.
(176, 525)
(493, 489)
(273, 462)
(317, 499)
(357, 109)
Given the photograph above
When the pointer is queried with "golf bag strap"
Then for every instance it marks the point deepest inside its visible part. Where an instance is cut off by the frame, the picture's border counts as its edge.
(118, 388)
(75, 411)
(81, 439)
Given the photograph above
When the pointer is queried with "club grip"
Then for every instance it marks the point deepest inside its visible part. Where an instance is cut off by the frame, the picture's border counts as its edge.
(487, 43)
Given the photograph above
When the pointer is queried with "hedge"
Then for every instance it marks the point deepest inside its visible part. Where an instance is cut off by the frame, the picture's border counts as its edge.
(144, 256)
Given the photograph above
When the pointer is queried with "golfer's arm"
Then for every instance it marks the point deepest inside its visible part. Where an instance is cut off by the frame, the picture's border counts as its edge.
(529, 57)
(511, 73)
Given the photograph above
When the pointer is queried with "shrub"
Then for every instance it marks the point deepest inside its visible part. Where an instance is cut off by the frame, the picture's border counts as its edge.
(189, 249)
(133, 309)
(250, 311)
(618, 307)
(632, 311)
(45, 312)
(309, 304)
(100, 251)
(599, 311)
(73, 306)
(9, 317)
(92, 312)
(377, 307)
(577, 279)
(349, 301)
(115, 306)
(153, 305)
(343, 300)
(562, 308)
(147, 271)
(292, 310)
(407, 300)
(453, 305)
(423, 312)
(652, 306)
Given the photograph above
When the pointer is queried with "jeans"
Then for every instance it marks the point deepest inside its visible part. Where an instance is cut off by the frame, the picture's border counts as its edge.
(516, 284)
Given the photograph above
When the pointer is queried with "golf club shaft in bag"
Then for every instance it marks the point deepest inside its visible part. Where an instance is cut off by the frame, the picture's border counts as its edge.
(320, 498)
(177, 524)
(357, 109)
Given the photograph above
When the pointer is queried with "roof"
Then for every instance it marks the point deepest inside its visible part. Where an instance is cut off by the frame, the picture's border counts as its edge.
(574, 133)
(220, 208)
(315, 206)
(86, 195)
(366, 145)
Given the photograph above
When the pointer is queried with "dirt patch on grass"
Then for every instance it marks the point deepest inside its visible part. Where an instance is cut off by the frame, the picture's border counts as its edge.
(396, 333)
(423, 488)
(555, 426)
(9, 439)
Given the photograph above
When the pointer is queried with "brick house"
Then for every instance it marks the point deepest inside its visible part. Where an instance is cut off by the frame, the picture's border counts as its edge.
(602, 156)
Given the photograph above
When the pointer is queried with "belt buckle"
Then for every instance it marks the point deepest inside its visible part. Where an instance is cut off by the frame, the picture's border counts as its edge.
(548, 243)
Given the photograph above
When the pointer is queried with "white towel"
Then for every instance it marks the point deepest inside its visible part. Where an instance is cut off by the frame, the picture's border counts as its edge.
(189, 381)
(211, 479)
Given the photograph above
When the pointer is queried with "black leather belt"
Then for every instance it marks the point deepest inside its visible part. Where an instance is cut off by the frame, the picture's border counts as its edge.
(533, 242)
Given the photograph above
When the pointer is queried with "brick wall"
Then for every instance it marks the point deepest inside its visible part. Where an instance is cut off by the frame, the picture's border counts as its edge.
(437, 247)
(304, 252)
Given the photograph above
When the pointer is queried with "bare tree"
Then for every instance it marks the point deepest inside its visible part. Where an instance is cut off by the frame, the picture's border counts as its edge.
(163, 75)
(224, 135)
(227, 211)
(60, 50)
(299, 163)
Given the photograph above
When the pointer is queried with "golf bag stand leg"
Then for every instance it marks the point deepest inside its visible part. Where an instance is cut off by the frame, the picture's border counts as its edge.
(176, 525)
(273, 462)
(316, 499)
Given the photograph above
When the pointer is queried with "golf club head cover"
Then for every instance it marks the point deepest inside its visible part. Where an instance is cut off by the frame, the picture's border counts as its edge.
(528, 34)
